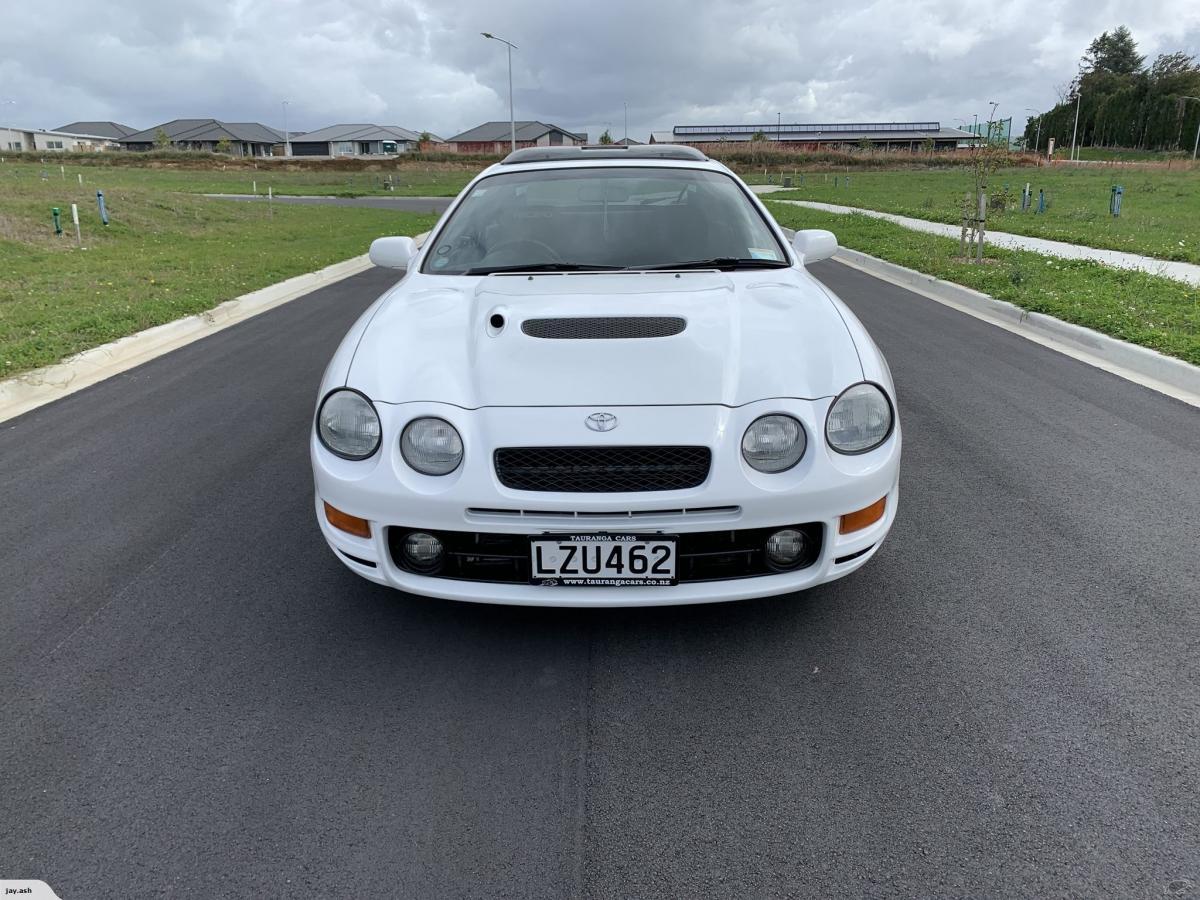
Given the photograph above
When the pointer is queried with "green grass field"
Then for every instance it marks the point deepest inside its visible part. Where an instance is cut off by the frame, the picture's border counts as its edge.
(1121, 154)
(1155, 312)
(413, 180)
(1160, 213)
(164, 256)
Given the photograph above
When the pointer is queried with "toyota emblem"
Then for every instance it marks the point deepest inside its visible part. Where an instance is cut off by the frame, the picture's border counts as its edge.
(601, 421)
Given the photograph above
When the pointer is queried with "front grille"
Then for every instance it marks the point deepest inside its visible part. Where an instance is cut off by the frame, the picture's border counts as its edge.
(603, 328)
(602, 470)
(702, 556)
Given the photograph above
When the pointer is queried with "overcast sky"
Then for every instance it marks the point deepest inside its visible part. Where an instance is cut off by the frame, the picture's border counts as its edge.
(423, 65)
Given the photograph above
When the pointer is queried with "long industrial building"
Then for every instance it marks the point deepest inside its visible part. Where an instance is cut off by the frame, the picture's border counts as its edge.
(887, 135)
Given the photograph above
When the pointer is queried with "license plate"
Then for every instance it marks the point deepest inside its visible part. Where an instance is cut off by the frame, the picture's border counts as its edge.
(603, 559)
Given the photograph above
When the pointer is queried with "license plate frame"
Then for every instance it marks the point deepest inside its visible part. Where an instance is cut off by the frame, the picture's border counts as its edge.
(544, 571)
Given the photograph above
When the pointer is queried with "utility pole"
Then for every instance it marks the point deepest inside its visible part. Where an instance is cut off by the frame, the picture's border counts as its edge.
(1078, 102)
(1196, 144)
(512, 122)
(778, 134)
(287, 143)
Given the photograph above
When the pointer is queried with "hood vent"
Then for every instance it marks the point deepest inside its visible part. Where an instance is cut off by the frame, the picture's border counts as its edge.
(604, 328)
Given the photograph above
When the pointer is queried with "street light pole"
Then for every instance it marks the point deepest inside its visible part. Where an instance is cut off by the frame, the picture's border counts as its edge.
(512, 122)
(778, 127)
(287, 148)
(1078, 103)
(1196, 144)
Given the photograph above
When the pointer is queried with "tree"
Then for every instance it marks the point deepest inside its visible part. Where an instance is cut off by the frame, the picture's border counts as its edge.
(1175, 73)
(162, 140)
(425, 137)
(606, 138)
(223, 145)
(758, 136)
(1114, 53)
(1121, 102)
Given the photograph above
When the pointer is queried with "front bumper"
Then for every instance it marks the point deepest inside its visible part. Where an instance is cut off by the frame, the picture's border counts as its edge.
(734, 497)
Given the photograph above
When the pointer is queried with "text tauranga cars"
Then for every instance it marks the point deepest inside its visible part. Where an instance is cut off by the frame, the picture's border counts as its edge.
(606, 378)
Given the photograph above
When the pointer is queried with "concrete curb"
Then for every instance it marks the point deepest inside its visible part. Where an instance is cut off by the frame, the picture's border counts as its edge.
(1146, 367)
(40, 386)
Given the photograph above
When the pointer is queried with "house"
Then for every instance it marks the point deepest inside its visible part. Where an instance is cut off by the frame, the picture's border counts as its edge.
(884, 135)
(495, 137)
(627, 142)
(355, 140)
(113, 130)
(58, 141)
(241, 138)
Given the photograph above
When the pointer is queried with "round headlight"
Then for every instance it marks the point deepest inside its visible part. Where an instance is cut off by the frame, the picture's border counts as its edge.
(348, 425)
(431, 446)
(859, 420)
(773, 443)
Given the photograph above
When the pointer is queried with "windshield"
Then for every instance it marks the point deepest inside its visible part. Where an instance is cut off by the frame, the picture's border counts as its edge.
(603, 218)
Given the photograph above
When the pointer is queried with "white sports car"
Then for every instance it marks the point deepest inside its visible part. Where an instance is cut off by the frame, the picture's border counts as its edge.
(606, 379)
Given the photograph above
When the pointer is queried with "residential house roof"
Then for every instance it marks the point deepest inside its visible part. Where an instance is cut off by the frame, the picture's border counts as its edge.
(113, 130)
(208, 130)
(501, 131)
(356, 133)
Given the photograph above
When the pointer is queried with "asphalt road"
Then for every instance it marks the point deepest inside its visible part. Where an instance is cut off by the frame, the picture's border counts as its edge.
(197, 699)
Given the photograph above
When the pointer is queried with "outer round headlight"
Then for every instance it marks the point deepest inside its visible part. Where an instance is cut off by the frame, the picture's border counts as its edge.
(773, 443)
(431, 446)
(859, 420)
(348, 425)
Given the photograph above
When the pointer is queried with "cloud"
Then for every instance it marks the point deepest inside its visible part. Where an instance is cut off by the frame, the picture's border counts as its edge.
(424, 65)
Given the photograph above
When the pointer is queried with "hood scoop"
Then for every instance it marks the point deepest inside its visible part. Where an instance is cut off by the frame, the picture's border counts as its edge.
(603, 328)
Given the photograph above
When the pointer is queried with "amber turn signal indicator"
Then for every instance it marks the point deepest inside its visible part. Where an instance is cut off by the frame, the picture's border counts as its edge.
(861, 518)
(348, 523)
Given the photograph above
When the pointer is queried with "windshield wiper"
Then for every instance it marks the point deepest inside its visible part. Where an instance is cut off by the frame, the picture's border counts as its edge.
(719, 262)
(542, 267)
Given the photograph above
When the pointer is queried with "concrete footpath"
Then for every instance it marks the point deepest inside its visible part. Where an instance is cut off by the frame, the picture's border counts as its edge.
(1188, 273)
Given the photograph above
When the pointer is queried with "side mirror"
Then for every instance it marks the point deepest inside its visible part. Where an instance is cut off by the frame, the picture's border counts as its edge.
(393, 252)
(814, 244)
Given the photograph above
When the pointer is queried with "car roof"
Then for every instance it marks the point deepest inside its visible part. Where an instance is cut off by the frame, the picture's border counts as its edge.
(607, 157)
(603, 151)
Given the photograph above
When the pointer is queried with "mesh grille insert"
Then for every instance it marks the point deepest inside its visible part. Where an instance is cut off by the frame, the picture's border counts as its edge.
(602, 470)
(603, 328)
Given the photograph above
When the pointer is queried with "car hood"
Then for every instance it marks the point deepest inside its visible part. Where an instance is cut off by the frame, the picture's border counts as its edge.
(748, 336)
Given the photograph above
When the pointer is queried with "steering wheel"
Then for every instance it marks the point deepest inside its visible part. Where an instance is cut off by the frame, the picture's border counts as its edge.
(524, 242)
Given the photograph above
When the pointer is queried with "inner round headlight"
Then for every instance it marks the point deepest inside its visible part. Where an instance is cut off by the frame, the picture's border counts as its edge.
(348, 425)
(431, 446)
(859, 420)
(773, 443)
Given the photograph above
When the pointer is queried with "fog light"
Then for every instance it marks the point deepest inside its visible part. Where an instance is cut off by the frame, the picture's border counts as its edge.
(423, 551)
(784, 548)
